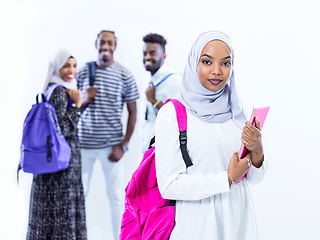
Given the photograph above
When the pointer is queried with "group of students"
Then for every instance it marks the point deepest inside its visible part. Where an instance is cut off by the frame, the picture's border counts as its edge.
(213, 201)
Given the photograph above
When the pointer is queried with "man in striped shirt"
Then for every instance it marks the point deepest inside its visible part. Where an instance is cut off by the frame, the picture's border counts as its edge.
(100, 128)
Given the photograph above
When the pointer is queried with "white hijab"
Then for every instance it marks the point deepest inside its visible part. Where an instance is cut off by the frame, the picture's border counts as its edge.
(207, 105)
(56, 62)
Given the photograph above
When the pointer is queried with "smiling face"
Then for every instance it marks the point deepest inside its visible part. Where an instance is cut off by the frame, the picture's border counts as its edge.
(69, 70)
(153, 57)
(214, 66)
(106, 45)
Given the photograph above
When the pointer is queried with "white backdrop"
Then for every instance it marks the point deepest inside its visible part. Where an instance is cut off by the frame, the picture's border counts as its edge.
(277, 64)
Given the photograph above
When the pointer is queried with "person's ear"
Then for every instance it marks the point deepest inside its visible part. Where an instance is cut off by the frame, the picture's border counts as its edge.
(164, 56)
(96, 45)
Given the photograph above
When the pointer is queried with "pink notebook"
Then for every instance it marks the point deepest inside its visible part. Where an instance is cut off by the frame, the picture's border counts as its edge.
(261, 113)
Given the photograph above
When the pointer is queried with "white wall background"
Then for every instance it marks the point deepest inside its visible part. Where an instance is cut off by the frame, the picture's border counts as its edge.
(277, 64)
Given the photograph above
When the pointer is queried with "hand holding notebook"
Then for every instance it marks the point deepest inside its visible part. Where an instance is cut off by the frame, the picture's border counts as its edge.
(261, 114)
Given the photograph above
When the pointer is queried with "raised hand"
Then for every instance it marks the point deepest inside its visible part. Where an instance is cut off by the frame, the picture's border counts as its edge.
(75, 96)
(150, 93)
(251, 138)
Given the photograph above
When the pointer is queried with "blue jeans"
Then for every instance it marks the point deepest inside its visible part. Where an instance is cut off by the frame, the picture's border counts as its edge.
(113, 176)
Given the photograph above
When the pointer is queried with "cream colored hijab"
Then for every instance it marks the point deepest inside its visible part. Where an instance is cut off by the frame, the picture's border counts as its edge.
(207, 105)
(56, 62)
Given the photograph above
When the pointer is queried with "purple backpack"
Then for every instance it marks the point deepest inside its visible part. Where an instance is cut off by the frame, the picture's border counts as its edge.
(43, 149)
(147, 215)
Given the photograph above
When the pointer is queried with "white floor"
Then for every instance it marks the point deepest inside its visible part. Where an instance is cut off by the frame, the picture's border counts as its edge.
(97, 207)
(97, 204)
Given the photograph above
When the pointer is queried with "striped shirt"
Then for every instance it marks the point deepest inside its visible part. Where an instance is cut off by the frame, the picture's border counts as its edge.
(100, 124)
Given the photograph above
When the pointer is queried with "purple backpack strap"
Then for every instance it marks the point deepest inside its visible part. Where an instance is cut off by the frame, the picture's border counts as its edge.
(182, 123)
(50, 91)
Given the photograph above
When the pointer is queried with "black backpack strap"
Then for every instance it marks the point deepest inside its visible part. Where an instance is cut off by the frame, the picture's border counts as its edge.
(185, 156)
(19, 168)
(152, 141)
(91, 72)
(42, 96)
(183, 148)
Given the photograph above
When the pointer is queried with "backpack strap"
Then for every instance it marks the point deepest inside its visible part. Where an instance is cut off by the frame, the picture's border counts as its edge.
(182, 123)
(19, 168)
(91, 72)
(50, 91)
(42, 96)
(163, 79)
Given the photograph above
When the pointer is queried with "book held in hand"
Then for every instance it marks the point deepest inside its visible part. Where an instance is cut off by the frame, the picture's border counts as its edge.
(261, 113)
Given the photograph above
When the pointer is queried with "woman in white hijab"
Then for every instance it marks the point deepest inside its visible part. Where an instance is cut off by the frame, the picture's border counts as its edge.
(213, 200)
(57, 209)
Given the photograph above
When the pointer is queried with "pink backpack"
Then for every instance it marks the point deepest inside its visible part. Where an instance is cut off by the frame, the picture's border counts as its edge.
(147, 215)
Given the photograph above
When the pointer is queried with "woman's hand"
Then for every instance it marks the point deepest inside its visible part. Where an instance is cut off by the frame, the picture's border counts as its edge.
(238, 167)
(75, 96)
(251, 138)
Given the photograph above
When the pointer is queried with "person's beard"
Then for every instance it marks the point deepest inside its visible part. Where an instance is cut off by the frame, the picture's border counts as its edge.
(154, 67)
(105, 59)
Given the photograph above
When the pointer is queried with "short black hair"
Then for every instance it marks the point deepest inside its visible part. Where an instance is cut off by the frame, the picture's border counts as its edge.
(155, 38)
(107, 31)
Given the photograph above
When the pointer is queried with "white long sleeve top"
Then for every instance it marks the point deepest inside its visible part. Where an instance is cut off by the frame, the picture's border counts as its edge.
(169, 88)
(206, 207)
